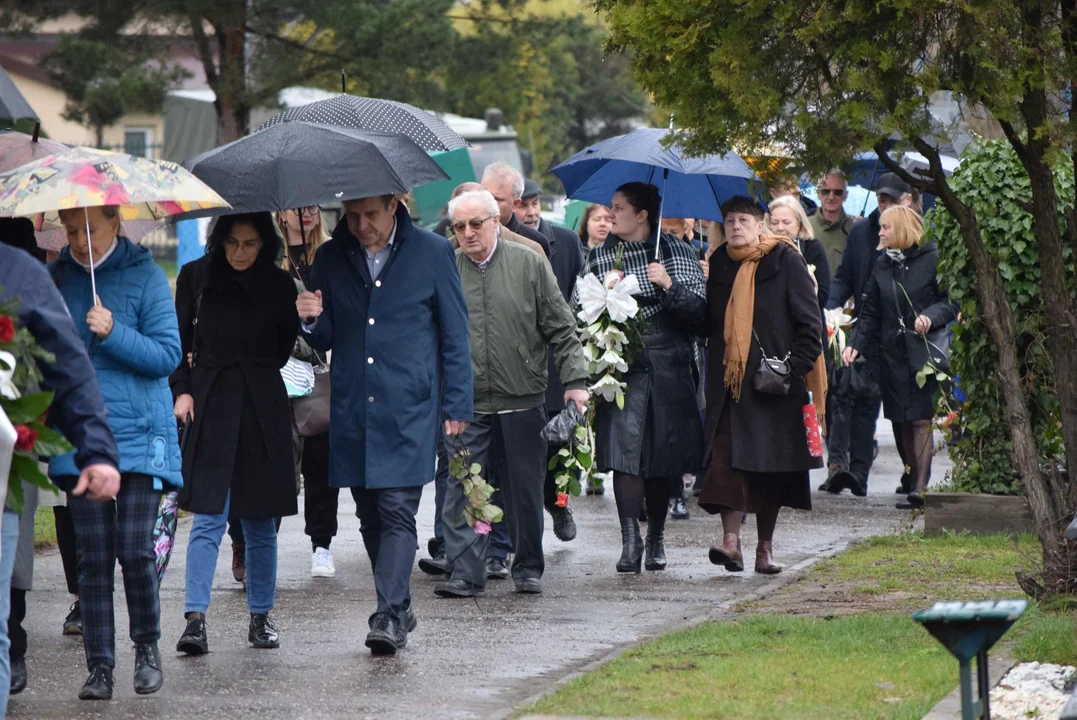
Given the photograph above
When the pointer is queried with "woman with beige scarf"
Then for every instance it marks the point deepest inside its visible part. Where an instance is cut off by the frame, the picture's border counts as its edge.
(762, 303)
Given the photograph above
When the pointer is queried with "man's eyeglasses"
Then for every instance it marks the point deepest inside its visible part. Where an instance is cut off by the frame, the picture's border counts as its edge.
(823, 192)
(476, 224)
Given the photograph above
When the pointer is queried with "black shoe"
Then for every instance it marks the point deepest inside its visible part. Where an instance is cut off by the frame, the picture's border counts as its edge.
(497, 568)
(631, 547)
(905, 485)
(437, 565)
(18, 676)
(678, 509)
(98, 685)
(261, 633)
(73, 621)
(842, 479)
(914, 501)
(859, 487)
(458, 589)
(410, 623)
(385, 636)
(529, 586)
(194, 640)
(435, 547)
(148, 675)
(656, 555)
(564, 527)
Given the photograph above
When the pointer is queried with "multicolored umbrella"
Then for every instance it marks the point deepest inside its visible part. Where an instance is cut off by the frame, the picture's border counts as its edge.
(164, 532)
(144, 189)
(81, 177)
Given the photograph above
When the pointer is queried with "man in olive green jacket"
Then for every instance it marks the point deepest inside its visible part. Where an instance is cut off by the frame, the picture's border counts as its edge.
(516, 314)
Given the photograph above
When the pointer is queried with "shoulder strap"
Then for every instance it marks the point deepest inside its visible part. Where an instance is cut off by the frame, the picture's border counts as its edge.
(897, 301)
(194, 328)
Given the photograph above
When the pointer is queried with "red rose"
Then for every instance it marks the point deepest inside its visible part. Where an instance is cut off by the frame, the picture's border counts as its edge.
(562, 499)
(25, 439)
(7, 329)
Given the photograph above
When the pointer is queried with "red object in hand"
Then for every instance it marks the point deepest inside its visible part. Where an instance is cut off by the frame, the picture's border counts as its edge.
(25, 438)
(7, 329)
(811, 429)
(562, 499)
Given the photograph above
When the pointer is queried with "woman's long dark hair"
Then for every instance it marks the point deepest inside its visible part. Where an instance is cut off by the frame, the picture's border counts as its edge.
(262, 222)
(644, 196)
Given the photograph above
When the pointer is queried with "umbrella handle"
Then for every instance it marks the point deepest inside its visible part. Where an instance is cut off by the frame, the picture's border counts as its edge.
(89, 249)
(661, 209)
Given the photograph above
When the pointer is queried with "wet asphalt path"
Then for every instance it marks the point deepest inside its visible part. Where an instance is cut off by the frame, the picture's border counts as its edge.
(467, 659)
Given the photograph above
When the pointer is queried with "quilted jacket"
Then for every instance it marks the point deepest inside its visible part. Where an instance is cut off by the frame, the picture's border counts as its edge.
(133, 363)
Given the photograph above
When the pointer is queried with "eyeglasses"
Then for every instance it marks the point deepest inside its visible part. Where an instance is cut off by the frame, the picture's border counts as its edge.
(824, 192)
(312, 210)
(233, 244)
(476, 224)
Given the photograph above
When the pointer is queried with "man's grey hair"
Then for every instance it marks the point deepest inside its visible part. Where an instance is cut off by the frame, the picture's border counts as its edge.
(501, 173)
(481, 196)
(832, 173)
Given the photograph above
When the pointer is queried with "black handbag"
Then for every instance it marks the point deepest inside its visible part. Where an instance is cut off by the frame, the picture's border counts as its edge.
(774, 376)
(931, 349)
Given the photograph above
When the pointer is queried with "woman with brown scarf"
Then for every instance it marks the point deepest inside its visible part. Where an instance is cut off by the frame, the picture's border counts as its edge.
(761, 303)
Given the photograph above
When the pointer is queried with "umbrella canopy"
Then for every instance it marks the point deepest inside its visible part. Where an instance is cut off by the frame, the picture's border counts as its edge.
(81, 177)
(690, 187)
(299, 164)
(363, 113)
(13, 105)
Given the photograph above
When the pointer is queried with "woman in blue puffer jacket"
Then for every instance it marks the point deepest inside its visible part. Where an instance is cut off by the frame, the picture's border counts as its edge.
(132, 337)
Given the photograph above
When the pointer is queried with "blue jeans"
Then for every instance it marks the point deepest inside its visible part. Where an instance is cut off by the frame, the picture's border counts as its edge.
(9, 540)
(204, 546)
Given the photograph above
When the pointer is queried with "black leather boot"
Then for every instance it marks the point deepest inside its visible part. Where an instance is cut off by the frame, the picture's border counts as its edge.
(631, 547)
(148, 675)
(656, 548)
(657, 503)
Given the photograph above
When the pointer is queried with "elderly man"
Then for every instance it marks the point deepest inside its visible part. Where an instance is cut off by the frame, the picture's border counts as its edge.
(831, 225)
(851, 436)
(566, 257)
(506, 184)
(516, 312)
(387, 301)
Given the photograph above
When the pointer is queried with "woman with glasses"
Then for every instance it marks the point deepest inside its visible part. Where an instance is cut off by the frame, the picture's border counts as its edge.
(304, 232)
(238, 325)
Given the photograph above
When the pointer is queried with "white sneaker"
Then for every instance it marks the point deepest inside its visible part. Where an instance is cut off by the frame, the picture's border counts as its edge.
(321, 564)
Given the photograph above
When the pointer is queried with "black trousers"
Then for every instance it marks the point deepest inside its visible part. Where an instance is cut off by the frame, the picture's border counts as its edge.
(851, 438)
(387, 524)
(16, 632)
(511, 447)
(319, 500)
(65, 538)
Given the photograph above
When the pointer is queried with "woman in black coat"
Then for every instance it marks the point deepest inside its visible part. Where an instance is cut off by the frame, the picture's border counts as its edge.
(905, 310)
(658, 436)
(761, 299)
(787, 218)
(238, 325)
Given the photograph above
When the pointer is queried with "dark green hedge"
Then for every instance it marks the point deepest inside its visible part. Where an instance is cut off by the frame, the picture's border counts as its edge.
(992, 180)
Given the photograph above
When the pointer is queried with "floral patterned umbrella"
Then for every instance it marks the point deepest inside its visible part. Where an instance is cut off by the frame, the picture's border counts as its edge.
(81, 177)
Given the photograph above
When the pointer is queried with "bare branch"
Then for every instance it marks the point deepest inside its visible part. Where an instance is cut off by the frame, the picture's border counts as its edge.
(205, 53)
(893, 166)
(1014, 139)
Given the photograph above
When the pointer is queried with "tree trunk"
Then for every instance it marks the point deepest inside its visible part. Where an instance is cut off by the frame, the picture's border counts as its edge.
(233, 109)
(1042, 489)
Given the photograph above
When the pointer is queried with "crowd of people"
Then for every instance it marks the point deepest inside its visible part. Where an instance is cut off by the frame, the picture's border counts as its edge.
(461, 338)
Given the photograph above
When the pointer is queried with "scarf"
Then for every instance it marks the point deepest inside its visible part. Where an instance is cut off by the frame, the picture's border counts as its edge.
(739, 314)
(897, 256)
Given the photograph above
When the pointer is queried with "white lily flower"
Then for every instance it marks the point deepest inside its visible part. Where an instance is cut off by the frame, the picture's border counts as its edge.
(7, 373)
(608, 388)
(614, 360)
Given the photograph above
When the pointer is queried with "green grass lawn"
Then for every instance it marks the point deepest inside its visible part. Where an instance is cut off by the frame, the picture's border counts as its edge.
(44, 528)
(859, 655)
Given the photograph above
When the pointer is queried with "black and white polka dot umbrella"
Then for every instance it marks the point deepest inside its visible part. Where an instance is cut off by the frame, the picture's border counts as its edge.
(362, 113)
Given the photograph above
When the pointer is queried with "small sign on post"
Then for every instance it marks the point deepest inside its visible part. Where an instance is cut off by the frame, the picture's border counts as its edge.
(969, 630)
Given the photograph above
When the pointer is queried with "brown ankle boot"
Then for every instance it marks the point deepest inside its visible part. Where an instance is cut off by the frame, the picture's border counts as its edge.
(728, 554)
(764, 559)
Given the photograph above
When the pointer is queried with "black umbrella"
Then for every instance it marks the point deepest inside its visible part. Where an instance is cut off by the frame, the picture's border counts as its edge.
(362, 113)
(13, 105)
(300, 164)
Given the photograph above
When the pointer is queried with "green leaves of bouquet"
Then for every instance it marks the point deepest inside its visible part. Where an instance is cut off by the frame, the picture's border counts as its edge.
(20, 376)
(479, 513)
(572, 463)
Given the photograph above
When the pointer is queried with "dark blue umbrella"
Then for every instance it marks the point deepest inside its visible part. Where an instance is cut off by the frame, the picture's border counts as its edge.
(690, 187)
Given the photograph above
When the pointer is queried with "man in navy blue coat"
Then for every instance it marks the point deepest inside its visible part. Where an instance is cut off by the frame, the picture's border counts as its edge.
(387, 301)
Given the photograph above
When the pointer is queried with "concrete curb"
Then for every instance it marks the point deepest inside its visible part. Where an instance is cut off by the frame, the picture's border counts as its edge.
(998, 664)
(719, 611)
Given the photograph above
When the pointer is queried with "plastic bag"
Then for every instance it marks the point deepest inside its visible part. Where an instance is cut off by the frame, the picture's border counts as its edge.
(560, 429)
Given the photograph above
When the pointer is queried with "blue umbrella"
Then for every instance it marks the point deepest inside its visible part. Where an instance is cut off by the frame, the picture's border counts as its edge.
(690, 187)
